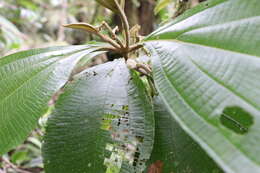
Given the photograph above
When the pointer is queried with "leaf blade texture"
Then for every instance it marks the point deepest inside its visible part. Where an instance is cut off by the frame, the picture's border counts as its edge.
(27, 81)
(102, 123)
(174, 150)
(206, 65)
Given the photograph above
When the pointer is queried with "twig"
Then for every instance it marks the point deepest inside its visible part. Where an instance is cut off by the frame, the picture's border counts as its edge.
(135, 47)
(113, 34)
(108, 40)
(11, 165)
(145, 67)
(125, 24)
(113, 49)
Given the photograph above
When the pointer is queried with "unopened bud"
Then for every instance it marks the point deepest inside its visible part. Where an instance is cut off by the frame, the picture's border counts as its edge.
(131, 64)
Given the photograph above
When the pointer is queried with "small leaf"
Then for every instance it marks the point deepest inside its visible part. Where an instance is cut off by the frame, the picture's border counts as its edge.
(85, 26)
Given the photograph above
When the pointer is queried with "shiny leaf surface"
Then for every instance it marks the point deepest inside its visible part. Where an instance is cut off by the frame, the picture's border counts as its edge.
(175, 150)
(206, 67)
(27, 81)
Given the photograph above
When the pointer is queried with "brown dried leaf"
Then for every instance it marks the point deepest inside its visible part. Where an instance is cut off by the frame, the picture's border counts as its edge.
(156, 167)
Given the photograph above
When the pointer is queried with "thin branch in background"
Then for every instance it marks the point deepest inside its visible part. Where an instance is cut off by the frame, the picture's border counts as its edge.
(95, 14)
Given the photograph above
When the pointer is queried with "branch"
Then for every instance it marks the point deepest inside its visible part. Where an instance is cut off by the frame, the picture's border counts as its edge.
(113, 34)
(125, 24)
(135, 47)
(11, 165)
(108, 40)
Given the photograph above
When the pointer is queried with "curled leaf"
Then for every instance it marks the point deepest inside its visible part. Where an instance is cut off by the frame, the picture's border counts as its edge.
(85, 26)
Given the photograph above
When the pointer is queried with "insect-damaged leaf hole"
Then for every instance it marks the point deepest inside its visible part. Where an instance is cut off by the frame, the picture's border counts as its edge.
(236, 119)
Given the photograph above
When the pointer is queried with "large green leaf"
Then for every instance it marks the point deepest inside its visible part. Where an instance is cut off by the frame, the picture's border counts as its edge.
(27, 81)
(225, 24)
(175, 151)
(206, 68)
(102, 123)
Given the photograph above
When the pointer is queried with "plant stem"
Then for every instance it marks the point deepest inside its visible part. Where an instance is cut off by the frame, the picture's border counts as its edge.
(108, 40)
(113, 34)
(113, 49)
(11, 165)
(125, 25)
(135, 47)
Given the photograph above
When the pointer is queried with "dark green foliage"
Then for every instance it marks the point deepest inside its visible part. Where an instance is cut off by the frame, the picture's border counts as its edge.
(205, 68)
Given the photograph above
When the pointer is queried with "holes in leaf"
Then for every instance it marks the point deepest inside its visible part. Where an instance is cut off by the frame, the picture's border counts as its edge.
(236, 119)
(136, 158)
(107, 121)
(125, 145)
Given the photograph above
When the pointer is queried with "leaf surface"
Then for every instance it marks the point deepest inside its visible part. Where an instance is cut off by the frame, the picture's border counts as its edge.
(175, 150)
(206, 67)
(27, 81)
(102, 123)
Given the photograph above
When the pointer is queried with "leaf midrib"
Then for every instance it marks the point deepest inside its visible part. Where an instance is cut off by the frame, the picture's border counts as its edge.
(197, 114)
(30, 66)
(203, 45)
(187, 129)
(26, 81)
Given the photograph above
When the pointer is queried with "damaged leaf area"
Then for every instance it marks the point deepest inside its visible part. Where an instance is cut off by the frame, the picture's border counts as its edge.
(236, 119)
(102, 123)
(131, 127)
(206, 68)
(215, 99)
